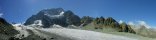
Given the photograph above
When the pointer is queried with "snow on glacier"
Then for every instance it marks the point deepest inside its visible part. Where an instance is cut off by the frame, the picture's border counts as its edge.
(74, 34)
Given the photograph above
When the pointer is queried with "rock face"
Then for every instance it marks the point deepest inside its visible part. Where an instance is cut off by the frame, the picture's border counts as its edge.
(6, 30)
(53, 16)
(86, 20)
(126, 28)
(108, 22)
(72, 19)
(112, 23)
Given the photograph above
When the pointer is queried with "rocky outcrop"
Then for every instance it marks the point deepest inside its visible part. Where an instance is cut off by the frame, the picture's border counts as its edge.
(126, 28)
(6, 30)
(86, 20)
(108, 22)
(72, 19)
(112, 23)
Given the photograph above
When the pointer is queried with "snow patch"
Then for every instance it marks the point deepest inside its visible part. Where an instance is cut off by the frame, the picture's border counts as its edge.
(56, 26)
(60, 14)
(37, 23)
(22, 31)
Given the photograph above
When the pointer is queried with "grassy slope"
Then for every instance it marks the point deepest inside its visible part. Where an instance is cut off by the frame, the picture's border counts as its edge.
(112, 31)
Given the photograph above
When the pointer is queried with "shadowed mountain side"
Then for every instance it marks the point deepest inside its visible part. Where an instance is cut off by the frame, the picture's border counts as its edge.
(6, 30)
(53, 16)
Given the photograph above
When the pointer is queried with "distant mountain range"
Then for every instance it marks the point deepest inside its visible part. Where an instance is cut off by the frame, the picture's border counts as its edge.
(109, 22)
(49, 17)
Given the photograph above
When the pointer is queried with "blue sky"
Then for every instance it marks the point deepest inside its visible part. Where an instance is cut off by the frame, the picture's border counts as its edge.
(125, 10)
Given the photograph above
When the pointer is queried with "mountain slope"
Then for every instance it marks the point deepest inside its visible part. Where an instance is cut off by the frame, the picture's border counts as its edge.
(6, 30)
(100, 23)
(53, 16)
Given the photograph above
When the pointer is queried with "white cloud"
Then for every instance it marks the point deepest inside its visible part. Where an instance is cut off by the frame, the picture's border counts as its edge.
(137, 23)
(144, 24)
(131, 23)
(120, 21)
(1, 14)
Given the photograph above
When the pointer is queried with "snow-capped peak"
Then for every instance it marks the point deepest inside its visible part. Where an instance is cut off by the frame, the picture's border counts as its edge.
(60, 14)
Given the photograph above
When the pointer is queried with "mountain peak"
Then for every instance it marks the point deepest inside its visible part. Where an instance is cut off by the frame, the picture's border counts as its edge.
(53, 16)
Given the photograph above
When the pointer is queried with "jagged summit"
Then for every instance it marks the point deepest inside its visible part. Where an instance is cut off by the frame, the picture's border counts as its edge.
(51, 12)
(112, 23)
